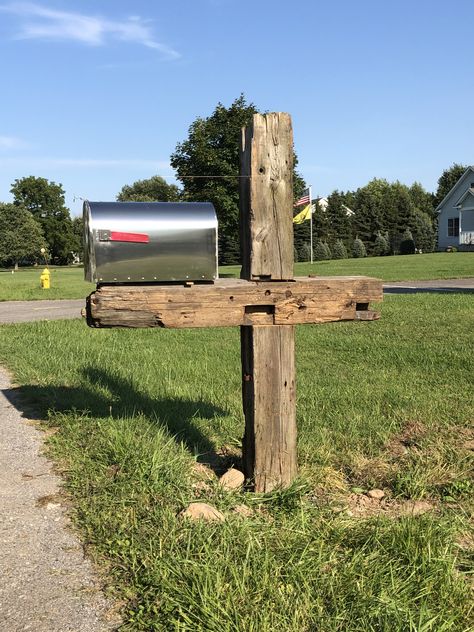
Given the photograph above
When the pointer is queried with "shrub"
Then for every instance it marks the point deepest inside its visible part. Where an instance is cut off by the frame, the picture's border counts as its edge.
(381, 246)
(339, 251)
(358, 249)
(407, 244)
(322, 251)
(304, 252)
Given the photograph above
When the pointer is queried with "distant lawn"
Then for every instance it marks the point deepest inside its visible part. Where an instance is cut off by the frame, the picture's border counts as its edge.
(439, 265)
(386, 404)
(69, 283)
(24, 284)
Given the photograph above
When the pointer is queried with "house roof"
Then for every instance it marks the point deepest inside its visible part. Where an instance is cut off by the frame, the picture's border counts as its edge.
(441, 204)
(470, 191)
(323, 204)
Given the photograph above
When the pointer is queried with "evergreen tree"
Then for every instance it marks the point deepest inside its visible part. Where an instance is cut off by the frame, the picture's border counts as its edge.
(338, 220)
(339, 250)
(424, 234)
(403, 207)
(407, 245)
(301, 236)
(321, 251)
(422, 200)
(358, 249)
(369, 210)
(381, 246)
(320, 223)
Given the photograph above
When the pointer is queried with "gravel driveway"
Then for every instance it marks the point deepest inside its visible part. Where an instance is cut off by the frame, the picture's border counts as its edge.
(47, 585)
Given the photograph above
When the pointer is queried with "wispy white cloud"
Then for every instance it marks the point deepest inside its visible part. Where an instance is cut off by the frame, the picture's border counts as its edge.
(11, 142)
(40, 22)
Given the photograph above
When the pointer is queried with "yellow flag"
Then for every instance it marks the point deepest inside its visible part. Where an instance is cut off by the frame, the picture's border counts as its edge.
(303, 215)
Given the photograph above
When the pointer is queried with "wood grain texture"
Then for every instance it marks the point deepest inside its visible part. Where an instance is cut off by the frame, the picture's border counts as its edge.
(234, 302)
(266, 198)
(268, 348)
(268, 395)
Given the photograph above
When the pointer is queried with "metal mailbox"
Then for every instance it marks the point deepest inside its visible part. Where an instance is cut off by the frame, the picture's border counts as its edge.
(140, 242)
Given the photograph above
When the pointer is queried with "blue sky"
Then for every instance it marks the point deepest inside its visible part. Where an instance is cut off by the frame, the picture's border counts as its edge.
(96, 94)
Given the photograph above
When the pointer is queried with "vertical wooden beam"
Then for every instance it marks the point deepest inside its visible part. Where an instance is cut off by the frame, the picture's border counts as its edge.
(268, 365)
(266, 198)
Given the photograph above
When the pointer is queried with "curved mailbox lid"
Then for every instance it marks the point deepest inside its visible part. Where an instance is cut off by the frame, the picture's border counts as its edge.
(149, 242)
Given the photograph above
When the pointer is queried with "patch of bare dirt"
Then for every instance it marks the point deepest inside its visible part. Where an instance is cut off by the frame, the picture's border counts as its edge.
(365, 506)
(409, 437)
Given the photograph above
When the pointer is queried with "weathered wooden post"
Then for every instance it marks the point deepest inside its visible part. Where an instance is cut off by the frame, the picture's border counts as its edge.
(268, 351)
(267, 302)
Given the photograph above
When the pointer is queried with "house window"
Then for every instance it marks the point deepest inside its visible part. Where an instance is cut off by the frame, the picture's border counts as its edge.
(453, 227)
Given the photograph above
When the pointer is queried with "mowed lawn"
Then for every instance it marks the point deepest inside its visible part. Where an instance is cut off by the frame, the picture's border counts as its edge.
(69, 282)
(24, 284)
(387, 404)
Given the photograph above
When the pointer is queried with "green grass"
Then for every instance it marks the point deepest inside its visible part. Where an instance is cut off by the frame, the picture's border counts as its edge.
(24, 284)
(68, 282)
(439, 265)
(385, 404)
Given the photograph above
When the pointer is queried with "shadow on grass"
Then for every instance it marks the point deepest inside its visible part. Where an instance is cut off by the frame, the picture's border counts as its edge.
(103, 394)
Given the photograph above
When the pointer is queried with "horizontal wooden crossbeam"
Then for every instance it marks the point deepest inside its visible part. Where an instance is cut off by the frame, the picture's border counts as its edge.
(233, 302)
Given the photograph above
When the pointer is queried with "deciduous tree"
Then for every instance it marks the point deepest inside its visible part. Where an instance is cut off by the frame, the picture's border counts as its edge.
(207, 163)
(21, 238)
(154, 189)
(447, 180)
(45, 201)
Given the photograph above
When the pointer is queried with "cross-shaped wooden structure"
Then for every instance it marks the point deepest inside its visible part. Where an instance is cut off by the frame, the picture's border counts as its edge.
(267, 302)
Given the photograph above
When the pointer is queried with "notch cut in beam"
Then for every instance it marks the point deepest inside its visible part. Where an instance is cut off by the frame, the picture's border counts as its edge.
(234, 302)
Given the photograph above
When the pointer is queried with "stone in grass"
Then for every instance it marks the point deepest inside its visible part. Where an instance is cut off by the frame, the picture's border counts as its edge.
(416, 507)
(376, 494)
(203, 471)
(232, 480)
(243, 511)
(202, 511)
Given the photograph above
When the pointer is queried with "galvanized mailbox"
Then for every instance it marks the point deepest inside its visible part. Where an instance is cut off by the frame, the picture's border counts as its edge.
(141, 242)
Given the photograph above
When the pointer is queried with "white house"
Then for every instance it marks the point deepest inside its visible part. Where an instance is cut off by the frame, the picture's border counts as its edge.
(323, 205)
(456, 214)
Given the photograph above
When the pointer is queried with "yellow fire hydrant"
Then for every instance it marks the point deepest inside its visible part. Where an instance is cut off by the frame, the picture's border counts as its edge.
(45, 279)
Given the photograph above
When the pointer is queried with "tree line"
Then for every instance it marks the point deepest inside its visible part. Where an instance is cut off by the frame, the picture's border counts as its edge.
(377, 219)
(37, 220)
(380, 218)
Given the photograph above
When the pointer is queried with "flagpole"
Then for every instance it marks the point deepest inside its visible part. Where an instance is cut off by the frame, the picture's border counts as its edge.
(311, 223)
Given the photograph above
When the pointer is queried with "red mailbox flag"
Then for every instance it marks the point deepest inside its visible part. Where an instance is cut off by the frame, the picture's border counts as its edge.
(138, 238)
